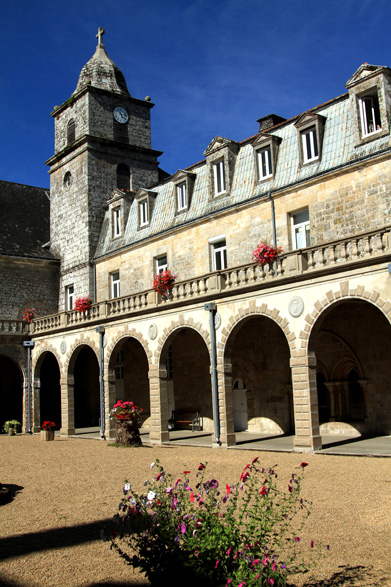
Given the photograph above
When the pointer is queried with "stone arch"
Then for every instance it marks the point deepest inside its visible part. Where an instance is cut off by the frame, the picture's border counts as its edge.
(82, 385)
(268, 402)
(186, 388)
(176, 325)
(254, 310)
(47, 387)
(331, 298)
(122, 334)
(13, 388)
(358, 379)
(130, 388)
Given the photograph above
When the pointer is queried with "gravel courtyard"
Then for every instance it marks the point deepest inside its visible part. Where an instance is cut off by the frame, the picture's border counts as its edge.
(67, 490)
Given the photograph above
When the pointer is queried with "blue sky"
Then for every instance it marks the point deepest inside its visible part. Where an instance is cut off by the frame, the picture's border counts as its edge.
(212, 67)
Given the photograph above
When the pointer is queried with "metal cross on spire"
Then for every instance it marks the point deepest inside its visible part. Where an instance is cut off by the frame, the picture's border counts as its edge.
(100, 34)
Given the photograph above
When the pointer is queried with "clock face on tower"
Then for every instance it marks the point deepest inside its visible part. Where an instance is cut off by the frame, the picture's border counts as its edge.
(120, 115)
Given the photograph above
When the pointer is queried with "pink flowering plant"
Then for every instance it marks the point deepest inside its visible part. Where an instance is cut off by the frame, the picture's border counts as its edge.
(83, 304)
(266, 254)
(126, 410)
(248, 533)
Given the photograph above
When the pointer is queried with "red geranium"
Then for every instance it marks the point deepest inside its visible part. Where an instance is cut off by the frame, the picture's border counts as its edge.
(83, 304)
(29, 314)
(47, 425)
(164, 282)
(266, 254)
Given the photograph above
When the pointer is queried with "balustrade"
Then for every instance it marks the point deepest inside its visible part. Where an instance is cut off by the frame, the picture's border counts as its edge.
(318, 257)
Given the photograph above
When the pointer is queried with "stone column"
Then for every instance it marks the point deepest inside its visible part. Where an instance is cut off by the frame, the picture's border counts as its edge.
(305, 402)
(36, 423)
(67, 385)
(109, 401)
(226, 413)
(159, 405)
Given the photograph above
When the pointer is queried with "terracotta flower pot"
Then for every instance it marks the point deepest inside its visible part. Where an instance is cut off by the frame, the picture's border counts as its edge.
(47, 435)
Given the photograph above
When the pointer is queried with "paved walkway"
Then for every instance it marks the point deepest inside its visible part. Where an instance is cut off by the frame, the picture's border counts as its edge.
(379, 446)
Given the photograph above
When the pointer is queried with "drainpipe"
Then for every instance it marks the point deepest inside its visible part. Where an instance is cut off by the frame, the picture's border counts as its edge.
(211, 308)
(101, 331)
(29, 344)
(274, 227)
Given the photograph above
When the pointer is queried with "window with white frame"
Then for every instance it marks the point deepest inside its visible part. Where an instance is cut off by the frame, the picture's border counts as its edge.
(115, 284)
(117, 222)
(310, 145)
(219, 177)
(143, 211)
(369, 114)
(219, 253)
(265, 168)
(301, 236)
(181, 196)
(69, 297)
(161, 264)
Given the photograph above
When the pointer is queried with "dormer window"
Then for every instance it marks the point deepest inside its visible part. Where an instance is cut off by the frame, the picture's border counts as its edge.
(145, 203)
(310, 145)
(143, 213)
(310, 128)
(266, 153)
(265, 167)
(219, 177)
(183, 189)
(221, 157)
(117, 226)
(181, 197)
(369, 114)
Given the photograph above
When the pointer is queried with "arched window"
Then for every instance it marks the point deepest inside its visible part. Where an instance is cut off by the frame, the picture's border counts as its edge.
(123, 177)
(71, 131)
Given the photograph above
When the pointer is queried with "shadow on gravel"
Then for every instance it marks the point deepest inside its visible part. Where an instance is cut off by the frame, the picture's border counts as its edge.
(8, 492)
(14, 546)
(349, 577)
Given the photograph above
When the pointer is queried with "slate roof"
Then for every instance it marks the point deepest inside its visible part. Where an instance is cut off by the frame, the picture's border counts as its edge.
(338, 150)
(24, 220)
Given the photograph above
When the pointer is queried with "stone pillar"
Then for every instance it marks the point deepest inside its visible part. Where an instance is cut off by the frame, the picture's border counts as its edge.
(159, 405)
(67, 385)
(226, 413)
(36, 419)
(109, 401)
(305, 402)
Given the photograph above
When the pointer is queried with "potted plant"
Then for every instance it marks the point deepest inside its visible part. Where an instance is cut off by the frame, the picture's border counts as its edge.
(83, 304)
(164, 282)
(47, 430)
(266, 254)
(11, 427)
(128, 421)
(29, 314)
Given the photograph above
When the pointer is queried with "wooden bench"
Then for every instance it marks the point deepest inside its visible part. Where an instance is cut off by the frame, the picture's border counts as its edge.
(183, 417)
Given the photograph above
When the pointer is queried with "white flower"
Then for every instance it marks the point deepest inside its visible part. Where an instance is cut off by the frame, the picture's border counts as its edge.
(152, 465)
(151, 495)
(127, 487)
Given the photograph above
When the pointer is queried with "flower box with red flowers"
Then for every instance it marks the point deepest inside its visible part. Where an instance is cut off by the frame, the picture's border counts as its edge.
(83, 304)
(47, 425)
(29, 314)
(266, 254)
(164, 282)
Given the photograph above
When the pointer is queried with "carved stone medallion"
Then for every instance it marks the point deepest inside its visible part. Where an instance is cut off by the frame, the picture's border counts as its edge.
(296, 307)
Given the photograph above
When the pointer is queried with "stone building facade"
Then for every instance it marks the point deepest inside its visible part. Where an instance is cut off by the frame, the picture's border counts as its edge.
(296, 347)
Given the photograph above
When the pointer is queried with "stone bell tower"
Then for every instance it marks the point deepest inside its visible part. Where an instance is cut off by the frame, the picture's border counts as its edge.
(102, 141)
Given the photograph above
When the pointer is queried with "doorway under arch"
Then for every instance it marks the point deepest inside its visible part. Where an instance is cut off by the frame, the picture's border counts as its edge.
(11, 391)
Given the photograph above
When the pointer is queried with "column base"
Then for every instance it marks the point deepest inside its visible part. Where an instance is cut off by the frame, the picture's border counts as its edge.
(67, 431)
(307, 443)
